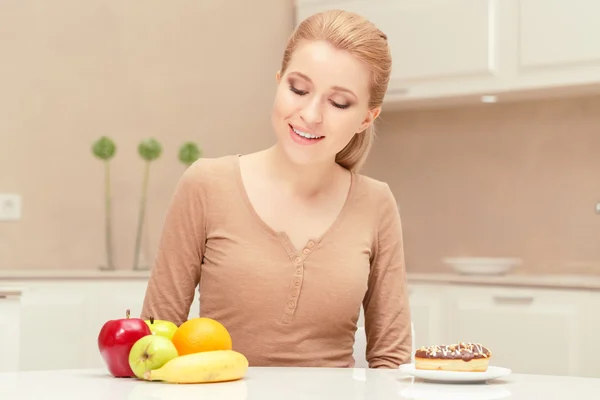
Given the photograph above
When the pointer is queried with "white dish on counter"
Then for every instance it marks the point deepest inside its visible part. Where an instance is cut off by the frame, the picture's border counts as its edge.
(482, 265)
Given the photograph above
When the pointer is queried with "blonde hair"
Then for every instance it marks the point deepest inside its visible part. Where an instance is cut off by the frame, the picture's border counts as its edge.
(351, 32)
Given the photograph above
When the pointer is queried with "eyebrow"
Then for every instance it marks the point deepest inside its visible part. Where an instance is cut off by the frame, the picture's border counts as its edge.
(338, 88)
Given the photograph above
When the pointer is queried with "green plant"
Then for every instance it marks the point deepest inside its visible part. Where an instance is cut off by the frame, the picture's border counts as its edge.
(189, 153)
(105, 149)
(149, 150)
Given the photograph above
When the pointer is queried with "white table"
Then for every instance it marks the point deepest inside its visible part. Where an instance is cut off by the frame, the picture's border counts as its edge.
(289, 384)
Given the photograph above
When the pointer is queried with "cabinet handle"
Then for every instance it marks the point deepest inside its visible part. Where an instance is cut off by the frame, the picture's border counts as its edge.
(514, 299)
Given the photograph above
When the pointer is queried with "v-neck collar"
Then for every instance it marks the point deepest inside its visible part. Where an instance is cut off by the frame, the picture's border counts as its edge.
(282, 236)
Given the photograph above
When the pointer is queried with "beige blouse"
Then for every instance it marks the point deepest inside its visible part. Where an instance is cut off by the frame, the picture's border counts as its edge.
(284, 306)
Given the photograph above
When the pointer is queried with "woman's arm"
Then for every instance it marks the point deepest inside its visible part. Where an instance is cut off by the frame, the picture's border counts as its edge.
(177, 268)
(386, 304)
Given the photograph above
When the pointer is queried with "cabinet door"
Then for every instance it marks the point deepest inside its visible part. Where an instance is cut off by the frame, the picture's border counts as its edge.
(106, 301)
(530, 331)
(439, 47)
(9, 330)
(195, 306)
(559, 42)
(589, 338)
(61, 320)
(53, 327)
(428, 315)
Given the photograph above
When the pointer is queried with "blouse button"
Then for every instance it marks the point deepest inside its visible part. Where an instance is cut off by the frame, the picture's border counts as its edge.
(298, 260)
(291, 304)
(296, 281)
(306, 251)
(311, 244)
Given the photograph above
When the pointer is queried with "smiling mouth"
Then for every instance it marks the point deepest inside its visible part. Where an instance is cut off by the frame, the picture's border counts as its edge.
(305, 135)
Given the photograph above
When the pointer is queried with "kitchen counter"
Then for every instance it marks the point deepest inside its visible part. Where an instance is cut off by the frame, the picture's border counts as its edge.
(289, 384)
(550, 281)
(69, 274)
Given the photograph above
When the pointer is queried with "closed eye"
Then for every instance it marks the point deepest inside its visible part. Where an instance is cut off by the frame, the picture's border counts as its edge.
(342, 106)
(298, 91)
(303, 92)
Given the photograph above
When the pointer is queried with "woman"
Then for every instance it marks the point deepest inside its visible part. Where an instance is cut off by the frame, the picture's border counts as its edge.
(286, 244)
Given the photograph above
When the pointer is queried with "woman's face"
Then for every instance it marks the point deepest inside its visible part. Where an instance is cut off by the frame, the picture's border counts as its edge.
(321, 102)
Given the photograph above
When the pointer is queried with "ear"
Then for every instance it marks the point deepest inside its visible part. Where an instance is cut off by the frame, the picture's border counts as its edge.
(370, 118)
(278, 77)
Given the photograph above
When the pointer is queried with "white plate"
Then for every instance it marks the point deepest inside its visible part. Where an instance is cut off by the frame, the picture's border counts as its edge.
(453, 376)
(483, 265)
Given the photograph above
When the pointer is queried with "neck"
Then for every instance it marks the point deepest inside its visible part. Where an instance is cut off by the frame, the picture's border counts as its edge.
(305, 180)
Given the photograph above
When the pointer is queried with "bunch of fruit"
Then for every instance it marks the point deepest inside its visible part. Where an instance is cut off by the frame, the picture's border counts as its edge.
(198, 351)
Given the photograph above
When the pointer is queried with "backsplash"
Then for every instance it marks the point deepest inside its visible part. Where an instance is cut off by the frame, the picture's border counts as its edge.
(510, 180)
(503, 180)
(81, 70)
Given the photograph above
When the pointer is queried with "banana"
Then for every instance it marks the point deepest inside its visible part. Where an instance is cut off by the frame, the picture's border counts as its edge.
(202, 367)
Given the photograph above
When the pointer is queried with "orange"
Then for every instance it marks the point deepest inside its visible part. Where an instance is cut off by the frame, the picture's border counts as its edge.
(201, 334)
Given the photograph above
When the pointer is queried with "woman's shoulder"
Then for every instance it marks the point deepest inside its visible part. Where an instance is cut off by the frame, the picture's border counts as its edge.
(209, 171)
(374, 190)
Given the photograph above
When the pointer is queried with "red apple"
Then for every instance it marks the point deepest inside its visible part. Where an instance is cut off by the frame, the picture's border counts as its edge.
(115, 341)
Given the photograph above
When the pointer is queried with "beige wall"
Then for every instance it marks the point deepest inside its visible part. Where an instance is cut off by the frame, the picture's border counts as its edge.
(74, 70)
(516, 180)
(501, 180)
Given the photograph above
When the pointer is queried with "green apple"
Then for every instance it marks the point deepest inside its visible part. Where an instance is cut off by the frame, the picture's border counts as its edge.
(149, 353)
(162, 328)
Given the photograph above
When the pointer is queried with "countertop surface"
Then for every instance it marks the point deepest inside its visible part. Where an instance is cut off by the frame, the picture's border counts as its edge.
(289, 384)
(62, 274)
(550, 281)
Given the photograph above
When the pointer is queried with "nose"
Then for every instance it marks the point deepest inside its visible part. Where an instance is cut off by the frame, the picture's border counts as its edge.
(312, 112)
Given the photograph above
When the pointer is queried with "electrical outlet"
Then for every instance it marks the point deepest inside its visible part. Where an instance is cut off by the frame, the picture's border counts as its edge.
(10, 207)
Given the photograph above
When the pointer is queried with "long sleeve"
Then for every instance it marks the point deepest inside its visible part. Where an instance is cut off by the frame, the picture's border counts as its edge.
(177, 267)
(386, 303)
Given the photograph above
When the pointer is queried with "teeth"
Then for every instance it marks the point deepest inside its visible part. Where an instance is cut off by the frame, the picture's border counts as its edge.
(306, 135)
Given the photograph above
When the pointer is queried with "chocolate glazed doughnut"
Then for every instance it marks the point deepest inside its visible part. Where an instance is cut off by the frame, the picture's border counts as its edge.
(464, 357)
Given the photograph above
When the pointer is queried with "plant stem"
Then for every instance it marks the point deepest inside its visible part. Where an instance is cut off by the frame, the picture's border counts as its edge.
(108, 226)
(138, 238)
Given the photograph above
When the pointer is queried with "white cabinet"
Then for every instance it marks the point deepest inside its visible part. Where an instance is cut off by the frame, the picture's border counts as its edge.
(428, 314)
(9, 328)
(530, 330)
(558, 42)
(451, 52)
(438, 47)
(54, 323)
(61, 319)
